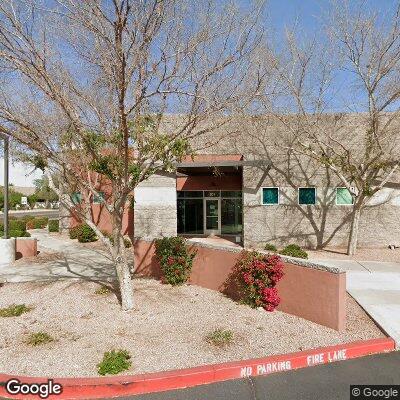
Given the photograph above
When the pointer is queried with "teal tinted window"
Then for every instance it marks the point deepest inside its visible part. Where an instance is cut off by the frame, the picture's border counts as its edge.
(270, 195)
(76, 198)
(343, 196)
(99, 198)
(307, 196)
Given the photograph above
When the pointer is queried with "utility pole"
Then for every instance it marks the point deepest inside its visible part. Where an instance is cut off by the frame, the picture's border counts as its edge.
(6, 166)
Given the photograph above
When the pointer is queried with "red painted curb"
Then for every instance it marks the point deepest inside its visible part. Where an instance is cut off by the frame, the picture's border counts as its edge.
(108, 387)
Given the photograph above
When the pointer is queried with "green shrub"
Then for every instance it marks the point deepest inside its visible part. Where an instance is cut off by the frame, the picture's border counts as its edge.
(17, 225)
(175, 259)
(293, 250)
(39, 338)
(14, 225)
(41, 222)
(27, 218)
(13, 199)
(37, 223)
(270, 247)
(15, 310)
(73, 232)
(86, 234)
(54, 225)
(16, 234)
(220, 337)
(114, 362)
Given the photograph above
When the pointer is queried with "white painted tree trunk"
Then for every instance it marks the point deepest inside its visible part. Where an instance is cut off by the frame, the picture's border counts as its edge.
(121, 263)
(353, 235)
(125, 282)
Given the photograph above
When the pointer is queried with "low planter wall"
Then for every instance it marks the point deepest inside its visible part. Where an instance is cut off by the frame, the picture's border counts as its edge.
(308, 290)
(25, 247)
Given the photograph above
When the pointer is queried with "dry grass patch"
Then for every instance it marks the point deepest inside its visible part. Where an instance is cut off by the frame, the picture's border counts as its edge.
(220, 337)
(15, 310)
(103, 290)
(39, 338)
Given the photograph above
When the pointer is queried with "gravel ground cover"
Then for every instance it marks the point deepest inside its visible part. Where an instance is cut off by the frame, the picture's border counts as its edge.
(167, 330)
(42, 258)
(363, 254)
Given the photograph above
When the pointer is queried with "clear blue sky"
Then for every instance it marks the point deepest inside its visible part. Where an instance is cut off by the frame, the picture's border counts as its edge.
(285, 12)
(308, 17)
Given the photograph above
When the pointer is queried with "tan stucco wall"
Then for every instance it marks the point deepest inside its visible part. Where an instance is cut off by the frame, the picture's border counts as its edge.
(325, 223)
(155, 212)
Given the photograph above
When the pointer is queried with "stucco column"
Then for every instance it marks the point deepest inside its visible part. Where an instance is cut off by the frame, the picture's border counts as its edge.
(7, 251)
(155, 213)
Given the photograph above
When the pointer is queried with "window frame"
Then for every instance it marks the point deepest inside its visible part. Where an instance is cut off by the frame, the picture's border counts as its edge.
(262, 195)
(78, 196)
(336, 192)
(102, 195)
(307, 187)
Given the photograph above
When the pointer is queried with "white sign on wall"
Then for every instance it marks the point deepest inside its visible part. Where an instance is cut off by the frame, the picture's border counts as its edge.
(24, 200)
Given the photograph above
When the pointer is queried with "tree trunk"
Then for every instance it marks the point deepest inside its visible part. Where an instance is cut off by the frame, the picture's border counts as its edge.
(353, 235)
(122, 264)
(125, 282)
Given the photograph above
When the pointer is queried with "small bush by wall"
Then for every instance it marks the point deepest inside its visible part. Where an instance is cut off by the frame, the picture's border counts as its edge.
(54, 225)
(73, 232)
(257, 275)
(175, 259)
(293, 250)
(16, 233)
(270, 247)
(86, 234)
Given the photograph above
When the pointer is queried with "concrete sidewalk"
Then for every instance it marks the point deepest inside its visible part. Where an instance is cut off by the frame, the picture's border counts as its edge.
(375, 286)
(75, 262)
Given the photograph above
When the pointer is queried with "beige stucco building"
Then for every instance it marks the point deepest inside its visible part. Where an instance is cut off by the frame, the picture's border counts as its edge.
(245, 184)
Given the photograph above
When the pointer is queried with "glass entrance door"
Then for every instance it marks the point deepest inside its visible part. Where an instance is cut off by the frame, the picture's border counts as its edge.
(212, 216)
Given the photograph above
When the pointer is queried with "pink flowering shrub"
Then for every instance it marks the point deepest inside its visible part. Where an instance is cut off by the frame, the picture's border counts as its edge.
(175, 259)
(257, 275)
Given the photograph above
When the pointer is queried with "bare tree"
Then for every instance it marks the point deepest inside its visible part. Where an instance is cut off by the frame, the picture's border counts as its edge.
(360, 146)
(112, 91)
